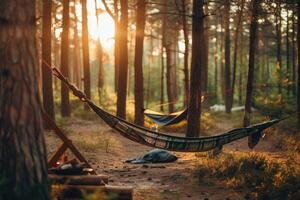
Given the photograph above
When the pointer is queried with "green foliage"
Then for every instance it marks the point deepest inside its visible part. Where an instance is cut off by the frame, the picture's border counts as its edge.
(274, 106)
(264, 178)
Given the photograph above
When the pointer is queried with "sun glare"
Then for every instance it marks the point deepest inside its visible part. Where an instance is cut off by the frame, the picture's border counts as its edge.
(105, 30)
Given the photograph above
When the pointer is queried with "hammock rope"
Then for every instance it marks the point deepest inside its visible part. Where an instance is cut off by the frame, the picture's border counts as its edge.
(154, 139)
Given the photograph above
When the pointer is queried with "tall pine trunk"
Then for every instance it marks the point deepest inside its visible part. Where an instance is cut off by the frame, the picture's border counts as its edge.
(298, 45)
(252, 48)
(186, 52)
(194, 106)
(236, 40)
(278, 42)
(293, 51)
(123, 60)
(241, 68)
(138, 62)
(117, 43)
(204, 83)
(227, 79)
(216, 59)
(162, 72)
(65, 101)
(170, 40)
(23, 164)
(288, 71)
(48, 101)
(85, 53)
(99, 49)
(76, 53)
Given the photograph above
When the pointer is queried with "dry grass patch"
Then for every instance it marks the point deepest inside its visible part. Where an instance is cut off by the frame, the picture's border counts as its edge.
(264, 178)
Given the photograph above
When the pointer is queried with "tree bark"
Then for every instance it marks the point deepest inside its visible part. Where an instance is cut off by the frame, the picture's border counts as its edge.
(138, 62)
(216, 59)
(170, 40)
(76, 53)
(298, 45)
(123, 70)
(255, 5)
(100, 59)
(194, 107)
(186, 52)
(227, 59)
(65, 101)
(278, 52)
(171, 68)
(150, 63)
(117, 43)
(205, 55)
(222, 60)
(48, 101)
(241, 68)
(288, 71)
(85, 53)
(23, 165)
(162, 75)
(293, 52)
(236, 39)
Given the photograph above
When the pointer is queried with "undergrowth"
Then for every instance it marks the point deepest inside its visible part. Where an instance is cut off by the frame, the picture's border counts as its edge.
(265, 179)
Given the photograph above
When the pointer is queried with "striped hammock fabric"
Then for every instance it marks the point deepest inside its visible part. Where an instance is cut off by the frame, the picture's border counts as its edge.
(166, 119)
(154, 139)
(173, 143)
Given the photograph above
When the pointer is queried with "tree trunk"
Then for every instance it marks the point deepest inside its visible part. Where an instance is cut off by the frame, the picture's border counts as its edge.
(123, 70)
(163, 43)
(138, 62)
(222, 81)
(162, 75)
(150, 63)
(85, 53)
(65, 101)
(48, 101)
(205, 55)
(170, 77)
(194, 107)
(227, 59)
(241, 73)
(23, 164)
(100, 59)
(186, 52)
(216, 59)
(117, 43)
(236, 39)
(278, 52)
(170, 39)
(255, 5)
(76, 52)
(288, 71)
(293, 52)
(298, 45)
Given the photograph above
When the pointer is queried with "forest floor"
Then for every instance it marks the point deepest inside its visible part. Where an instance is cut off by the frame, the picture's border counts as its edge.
(106, 150)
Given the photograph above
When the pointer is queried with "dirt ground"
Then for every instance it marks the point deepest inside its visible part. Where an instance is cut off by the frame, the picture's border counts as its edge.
(106, 150)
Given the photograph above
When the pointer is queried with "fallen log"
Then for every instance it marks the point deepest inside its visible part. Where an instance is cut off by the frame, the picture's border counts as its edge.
(100, 192)
(93, 180)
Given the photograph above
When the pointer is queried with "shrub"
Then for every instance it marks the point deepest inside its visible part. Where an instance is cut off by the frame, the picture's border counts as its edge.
(265, 179)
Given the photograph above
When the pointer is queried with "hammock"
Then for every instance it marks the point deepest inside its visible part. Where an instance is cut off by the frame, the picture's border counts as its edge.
(166, 119)
(154, 139)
